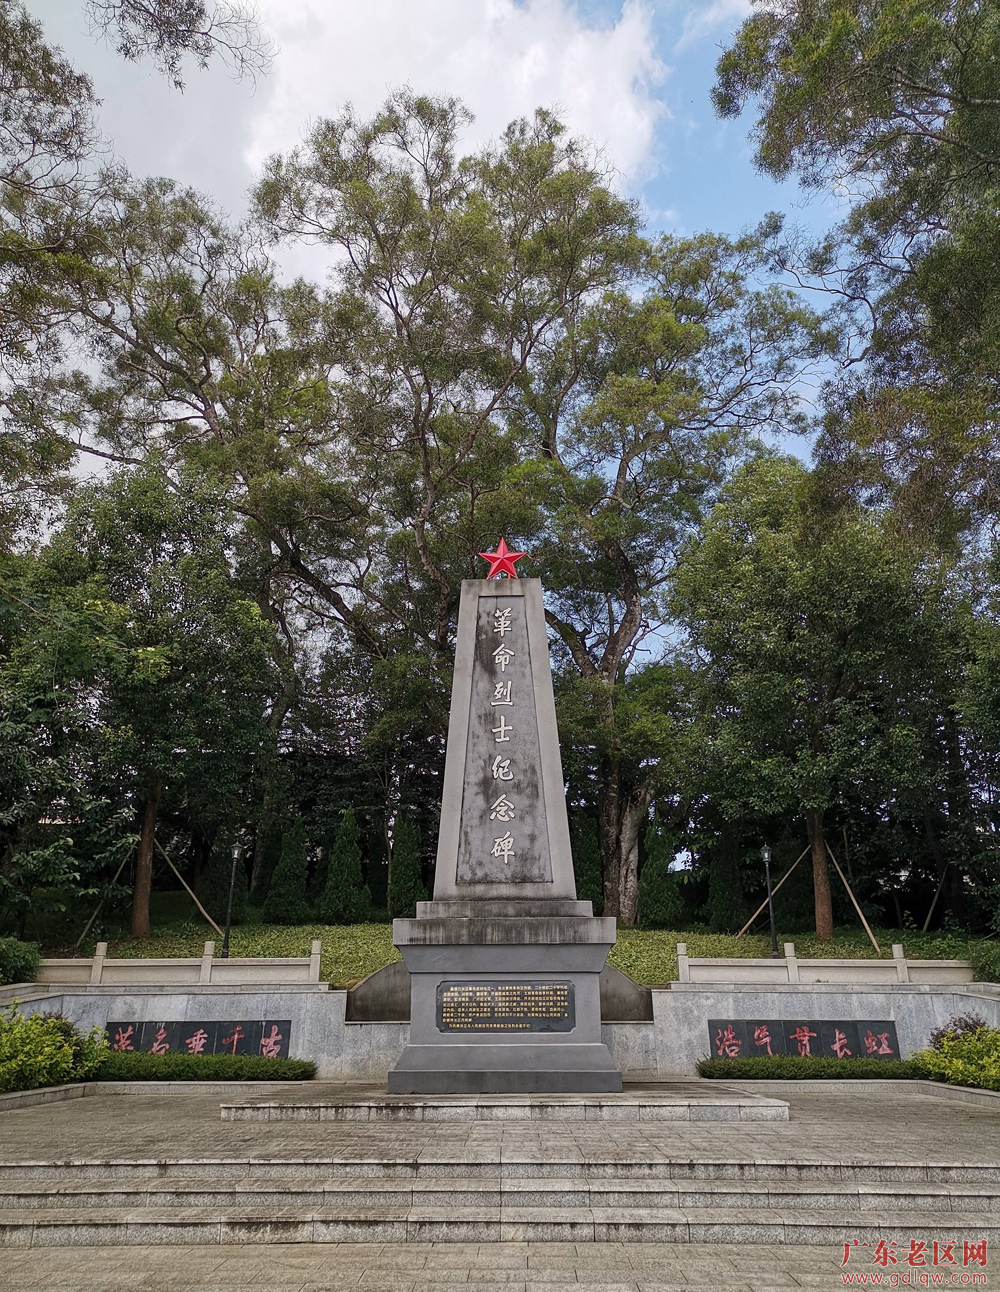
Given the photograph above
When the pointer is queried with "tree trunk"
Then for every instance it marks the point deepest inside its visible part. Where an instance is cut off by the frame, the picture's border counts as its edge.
(608, 820)
(620, 817)
(144, 864)
(821, 875)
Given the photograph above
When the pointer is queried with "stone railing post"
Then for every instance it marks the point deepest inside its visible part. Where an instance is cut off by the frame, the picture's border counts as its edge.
(207, 956)
(683, 968)
(315, 956)
(902, 968)
(791, 962)
(97, 964)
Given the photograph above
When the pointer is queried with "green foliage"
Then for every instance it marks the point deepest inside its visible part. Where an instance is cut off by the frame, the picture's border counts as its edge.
(213, 888)
(790, 1067)
(967, 1058)
(377, 869)
(985, 961)
(18, 960)
(406, 887)
(727, 909)
(286, 897)
(661, 905)
(587, 862)
(345, 898)
(38, 1051)
(133, 1066)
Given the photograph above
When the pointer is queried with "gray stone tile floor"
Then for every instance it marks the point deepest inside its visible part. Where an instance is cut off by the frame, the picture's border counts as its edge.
(824, 1126)
(496, 1267)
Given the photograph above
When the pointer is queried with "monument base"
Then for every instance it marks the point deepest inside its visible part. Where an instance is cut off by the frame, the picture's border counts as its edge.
(595, 1075)
(505, 1002)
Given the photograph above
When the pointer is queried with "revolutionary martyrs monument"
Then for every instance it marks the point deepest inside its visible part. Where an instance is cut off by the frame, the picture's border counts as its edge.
(504, 963)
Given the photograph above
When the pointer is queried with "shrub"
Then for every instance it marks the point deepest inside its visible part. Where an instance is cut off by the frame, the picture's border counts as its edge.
(985, 961)
(135, 1066)
(286, 896)
(345, 898)
(790, 1067)
(968, 1058)
(406, 887)
(660, 903)
(587, 862)
(957, 1025)
(213, 890)
(18, 960)
(45, 1051)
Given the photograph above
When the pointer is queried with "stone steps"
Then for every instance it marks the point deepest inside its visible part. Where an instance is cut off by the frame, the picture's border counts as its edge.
(628, 1107)
(141, 1226)
(493, 1164)
(456, 1193)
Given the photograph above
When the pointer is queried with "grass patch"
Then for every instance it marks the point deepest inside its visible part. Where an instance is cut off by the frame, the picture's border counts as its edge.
(350, 951)
(126, 1066)
(353, 951)
(790, 1067)
(650, 955)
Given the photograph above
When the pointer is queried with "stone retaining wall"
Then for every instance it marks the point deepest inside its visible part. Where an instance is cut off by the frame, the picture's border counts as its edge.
(668, 1047)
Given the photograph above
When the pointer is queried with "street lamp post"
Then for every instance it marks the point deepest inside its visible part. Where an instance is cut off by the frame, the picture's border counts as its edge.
(765, 852)
(224, 955)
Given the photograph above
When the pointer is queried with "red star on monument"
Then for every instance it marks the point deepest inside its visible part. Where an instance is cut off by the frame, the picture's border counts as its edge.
(502, 561)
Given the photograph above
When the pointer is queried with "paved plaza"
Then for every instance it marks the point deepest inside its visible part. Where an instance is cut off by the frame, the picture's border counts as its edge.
(884, 1126)
(836, 1127)
(442, 1267)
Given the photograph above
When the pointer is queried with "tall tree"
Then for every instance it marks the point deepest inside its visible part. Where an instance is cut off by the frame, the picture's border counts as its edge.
(808, 614)
(897, 107)
(638, 412)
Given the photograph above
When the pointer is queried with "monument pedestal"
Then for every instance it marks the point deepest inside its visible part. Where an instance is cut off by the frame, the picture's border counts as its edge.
(505, 1002)
(505, 963)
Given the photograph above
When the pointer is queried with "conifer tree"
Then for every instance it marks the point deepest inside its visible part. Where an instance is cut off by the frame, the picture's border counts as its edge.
(587, 862)
(726, 907)
(406, 887)
(213, 888)
(345, 898)
(286, 899)
(377, 869)
(660, 903)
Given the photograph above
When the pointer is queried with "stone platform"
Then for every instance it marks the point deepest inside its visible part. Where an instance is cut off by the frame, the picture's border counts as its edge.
(686, 1103)
(166, 1170)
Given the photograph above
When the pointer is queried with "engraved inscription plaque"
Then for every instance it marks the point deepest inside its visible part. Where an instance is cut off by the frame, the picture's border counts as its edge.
(505, 1007)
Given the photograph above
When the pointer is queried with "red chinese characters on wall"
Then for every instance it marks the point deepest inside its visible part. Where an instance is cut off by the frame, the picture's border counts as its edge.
(735, 1038)
(267, 1037)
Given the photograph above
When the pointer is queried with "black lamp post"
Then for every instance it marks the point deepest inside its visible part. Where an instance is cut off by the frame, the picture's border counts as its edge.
(224, 954)
(765, 852)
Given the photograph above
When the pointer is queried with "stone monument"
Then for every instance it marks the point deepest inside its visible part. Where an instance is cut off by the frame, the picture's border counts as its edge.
(504, 963)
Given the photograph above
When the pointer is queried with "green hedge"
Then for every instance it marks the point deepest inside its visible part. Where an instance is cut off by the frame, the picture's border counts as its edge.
(133, 1066)
(790, 1067)
(18, 960)
(965, 1058)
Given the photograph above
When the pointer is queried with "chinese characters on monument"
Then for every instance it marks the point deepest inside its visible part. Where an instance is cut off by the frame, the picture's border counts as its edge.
(503, 834)
(731, 1038)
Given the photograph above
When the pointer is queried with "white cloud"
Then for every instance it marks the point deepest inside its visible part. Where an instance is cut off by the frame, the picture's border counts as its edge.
(501, 57)
(703, 18)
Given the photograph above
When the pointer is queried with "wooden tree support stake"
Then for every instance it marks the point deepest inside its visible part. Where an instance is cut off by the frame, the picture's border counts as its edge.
(97, 908)
(773, 891)
(937, 894)
(850, 894)
(190, 892)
